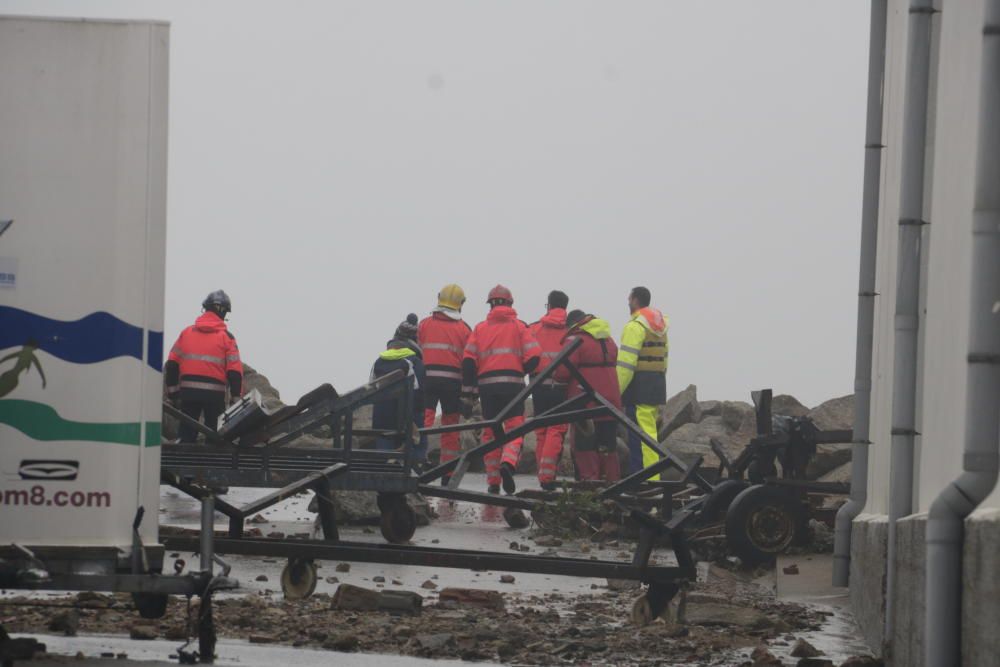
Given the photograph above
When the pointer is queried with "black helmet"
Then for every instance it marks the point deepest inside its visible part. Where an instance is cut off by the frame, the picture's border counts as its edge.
(220, 300)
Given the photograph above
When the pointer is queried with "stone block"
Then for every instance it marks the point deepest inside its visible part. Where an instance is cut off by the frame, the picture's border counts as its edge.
(906, 643)
(869, 550)
(981, 589)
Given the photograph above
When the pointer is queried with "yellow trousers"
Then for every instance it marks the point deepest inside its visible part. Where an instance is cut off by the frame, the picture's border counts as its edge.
(642, 455)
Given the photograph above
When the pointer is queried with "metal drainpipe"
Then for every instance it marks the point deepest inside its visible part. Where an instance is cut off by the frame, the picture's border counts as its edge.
(866, 298)
(943, 615)
(907, 320)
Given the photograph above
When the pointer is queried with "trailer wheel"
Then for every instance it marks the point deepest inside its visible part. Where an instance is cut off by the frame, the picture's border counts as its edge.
(298, 579)
(642, 612)
(150, 605)
(399, 522)
(720, 498)
(515, 518)
(653, 603)
(762, 522)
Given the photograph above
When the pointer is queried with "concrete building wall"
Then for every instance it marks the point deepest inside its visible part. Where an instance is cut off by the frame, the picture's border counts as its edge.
(952, 134)
(952, 142)
(869, 546)
(946, 323)
(981, 589)
(83, 174)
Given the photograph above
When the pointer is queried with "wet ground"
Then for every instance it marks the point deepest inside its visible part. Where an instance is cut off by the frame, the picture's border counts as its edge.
(547, 619)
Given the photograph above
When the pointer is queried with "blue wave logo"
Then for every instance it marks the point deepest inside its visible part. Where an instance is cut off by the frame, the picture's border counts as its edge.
(97, 337)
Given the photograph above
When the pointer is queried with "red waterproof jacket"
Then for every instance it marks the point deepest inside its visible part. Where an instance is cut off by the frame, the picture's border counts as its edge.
(500, 348)
(206, 352)
(549, 332)
(442, 337)
(596, 358)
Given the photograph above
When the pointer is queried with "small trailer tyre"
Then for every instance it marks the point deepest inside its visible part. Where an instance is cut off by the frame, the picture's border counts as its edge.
(298, 579)
(150, 605)
(642, 612)
(762, 522)
(515, 518)
(399, 522)
(653, 603)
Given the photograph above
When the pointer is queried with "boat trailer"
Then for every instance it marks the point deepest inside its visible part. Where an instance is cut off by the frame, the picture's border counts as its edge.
(256, 454)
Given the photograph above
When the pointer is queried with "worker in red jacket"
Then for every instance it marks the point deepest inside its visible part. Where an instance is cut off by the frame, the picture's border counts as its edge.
(596, 357)
(499, 353)
(442, 337)
(549, 332)
(202, 364)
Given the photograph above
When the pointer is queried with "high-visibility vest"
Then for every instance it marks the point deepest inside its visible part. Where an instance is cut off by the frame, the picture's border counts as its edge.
(205, 353)
(442, 337)
(643, 357)
(549, 332)
(501, 346)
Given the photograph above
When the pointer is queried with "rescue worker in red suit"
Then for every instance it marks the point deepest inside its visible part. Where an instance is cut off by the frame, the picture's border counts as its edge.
(442, 337)
(202, 364)
(549, 332)
(596, 358)
(499, 353)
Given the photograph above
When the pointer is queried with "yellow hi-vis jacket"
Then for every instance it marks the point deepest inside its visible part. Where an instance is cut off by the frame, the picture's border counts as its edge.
(642, 358)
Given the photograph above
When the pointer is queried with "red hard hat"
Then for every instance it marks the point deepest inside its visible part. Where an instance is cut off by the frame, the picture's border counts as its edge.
(500, 293)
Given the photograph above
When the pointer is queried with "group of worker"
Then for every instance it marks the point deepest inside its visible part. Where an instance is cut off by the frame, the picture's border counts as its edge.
(452, 365)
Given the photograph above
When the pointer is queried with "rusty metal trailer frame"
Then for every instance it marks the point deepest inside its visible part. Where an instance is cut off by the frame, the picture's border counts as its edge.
(111, 569)
(391, 473)
(197, 469)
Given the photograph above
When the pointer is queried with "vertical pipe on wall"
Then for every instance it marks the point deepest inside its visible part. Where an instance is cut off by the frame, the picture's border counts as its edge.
(945, 521)
(907, 319)
(866, 297)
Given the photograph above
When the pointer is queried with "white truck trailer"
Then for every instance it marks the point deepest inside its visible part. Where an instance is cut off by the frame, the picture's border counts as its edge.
(83, 171)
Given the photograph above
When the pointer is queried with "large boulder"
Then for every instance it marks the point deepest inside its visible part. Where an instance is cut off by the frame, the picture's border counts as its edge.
(841, 473)
(361, 507)
(739, 416)
(789, 406)
(693, 440)
(254, 380)
(835, 414)
(829, 457)
(680, 409)
(710, 408)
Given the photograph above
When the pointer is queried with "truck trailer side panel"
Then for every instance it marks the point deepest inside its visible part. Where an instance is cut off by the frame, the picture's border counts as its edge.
(83, 150)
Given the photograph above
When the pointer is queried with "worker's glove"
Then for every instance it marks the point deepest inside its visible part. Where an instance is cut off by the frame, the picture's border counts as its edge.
(585, 427)
(414, 432)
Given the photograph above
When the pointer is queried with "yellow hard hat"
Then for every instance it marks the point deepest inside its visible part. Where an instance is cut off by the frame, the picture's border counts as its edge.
(451, 296)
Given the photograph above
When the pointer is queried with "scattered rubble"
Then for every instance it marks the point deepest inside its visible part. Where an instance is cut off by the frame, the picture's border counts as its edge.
(143, 631)
(803, 649)
(728, 615)
(65, 622)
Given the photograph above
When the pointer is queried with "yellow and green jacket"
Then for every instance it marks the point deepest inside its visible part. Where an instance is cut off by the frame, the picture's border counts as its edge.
(642, 358)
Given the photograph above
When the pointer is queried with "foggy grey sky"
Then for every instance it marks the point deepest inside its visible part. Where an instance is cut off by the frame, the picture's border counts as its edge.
(333, 164)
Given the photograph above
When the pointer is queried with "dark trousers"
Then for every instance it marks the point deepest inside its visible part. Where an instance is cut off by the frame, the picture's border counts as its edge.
(196, 404)
(495, 401)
